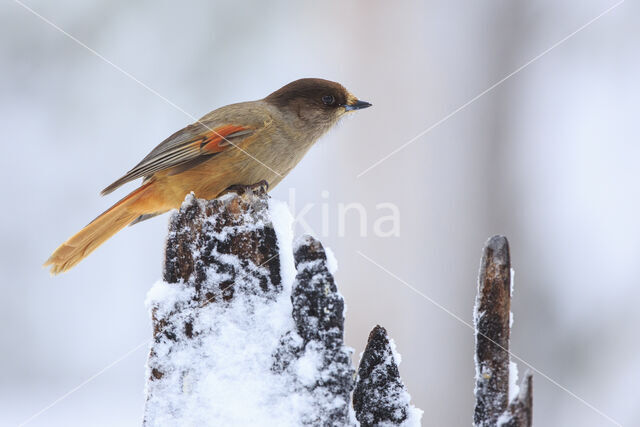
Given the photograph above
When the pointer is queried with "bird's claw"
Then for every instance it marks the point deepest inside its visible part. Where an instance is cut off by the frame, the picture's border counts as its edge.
(260, 187)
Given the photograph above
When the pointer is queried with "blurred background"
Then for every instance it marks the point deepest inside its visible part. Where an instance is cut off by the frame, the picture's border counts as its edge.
(549, 158)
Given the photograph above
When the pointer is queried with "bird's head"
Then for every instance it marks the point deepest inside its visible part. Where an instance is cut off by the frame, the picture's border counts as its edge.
(316, 104)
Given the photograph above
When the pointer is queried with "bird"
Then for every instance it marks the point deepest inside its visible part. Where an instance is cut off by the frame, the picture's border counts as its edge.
(240, 144)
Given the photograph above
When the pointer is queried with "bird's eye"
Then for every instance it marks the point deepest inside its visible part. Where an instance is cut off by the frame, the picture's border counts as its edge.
(328, 100)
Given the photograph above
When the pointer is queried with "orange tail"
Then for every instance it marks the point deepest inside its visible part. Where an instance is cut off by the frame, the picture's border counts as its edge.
(80, 245)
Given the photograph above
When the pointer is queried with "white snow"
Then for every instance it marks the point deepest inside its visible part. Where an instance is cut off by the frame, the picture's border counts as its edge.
(307, 367)
(224, 371)
(503, 419)
(223, 375)
(414, 415)
(513, 275)
(282, 221)
(332, 261)
(162, 291)
(514, 388)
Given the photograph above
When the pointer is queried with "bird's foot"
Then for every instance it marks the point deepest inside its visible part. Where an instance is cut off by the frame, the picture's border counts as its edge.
(258, 187)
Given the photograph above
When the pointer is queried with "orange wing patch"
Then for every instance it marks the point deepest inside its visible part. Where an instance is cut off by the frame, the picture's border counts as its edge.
(183, 148)
(219, 138)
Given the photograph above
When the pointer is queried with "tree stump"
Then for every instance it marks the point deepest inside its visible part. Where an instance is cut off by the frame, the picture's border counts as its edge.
(244, 332)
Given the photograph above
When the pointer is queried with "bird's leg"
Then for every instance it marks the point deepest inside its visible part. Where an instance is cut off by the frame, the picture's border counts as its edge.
(259, 187)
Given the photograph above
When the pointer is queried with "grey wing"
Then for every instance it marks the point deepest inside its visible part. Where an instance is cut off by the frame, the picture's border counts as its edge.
(186, 148)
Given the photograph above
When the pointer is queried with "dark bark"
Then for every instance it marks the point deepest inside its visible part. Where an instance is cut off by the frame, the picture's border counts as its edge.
(492, 324)
(201, 236)
(318, 314)
(492, 332)
(222, 255)
(380, 396)
(520, 411)
(193, 244)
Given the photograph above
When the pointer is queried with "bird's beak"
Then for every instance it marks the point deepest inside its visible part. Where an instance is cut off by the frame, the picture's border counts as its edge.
(357, 105)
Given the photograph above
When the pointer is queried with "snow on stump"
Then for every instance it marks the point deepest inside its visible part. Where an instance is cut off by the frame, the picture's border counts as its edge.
(498, 401)
(313, 353)
(520, 410)
(218, 317)
(380, 397)
(243, 333)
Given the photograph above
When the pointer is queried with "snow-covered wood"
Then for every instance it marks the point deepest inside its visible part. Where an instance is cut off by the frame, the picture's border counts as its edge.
(520, 410)
(218, 317)
(313, 353)
(247, 330)
(380, 397)
(495, 373)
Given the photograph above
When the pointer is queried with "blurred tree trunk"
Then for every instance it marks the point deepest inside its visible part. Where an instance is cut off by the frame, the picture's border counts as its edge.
(492, 316)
